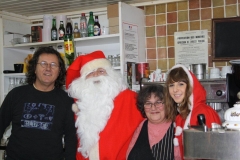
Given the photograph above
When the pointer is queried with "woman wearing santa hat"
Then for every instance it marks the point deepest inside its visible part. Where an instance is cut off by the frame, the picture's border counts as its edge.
(186, 95)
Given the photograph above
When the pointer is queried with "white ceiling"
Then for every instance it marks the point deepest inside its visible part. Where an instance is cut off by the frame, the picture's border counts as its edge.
(41, 7)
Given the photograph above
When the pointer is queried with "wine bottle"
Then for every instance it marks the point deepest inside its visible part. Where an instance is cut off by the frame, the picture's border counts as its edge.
(97, 27)
(61, 31)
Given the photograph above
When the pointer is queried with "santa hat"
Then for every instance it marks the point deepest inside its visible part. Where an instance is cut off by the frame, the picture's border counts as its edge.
(85, 64)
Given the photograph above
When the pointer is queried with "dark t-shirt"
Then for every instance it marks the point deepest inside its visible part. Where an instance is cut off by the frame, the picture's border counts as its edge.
(39, 121)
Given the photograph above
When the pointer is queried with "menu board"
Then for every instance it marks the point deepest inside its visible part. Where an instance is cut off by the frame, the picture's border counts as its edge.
(191, 47)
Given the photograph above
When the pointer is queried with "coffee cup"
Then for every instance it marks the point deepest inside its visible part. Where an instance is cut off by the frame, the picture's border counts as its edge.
(215, 71)
(18, 67)
(213, 75)
(226, 69)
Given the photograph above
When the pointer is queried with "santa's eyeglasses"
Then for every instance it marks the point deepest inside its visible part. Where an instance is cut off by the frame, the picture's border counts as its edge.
(97, 72)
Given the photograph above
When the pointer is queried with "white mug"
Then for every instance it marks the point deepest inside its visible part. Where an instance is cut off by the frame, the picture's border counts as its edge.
(215, 71)
(226, 69)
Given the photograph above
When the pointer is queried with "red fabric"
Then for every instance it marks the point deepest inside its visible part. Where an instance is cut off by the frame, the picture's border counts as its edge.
(199, 106)
(125, 117)
(116, 136)
(74, 69)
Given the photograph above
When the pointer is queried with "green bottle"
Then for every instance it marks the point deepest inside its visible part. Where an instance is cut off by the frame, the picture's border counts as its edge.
(54, 30)
(91, 25)
(69, 48)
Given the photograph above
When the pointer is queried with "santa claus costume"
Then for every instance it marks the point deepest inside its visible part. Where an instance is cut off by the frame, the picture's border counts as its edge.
(198, 106)
(106, 115)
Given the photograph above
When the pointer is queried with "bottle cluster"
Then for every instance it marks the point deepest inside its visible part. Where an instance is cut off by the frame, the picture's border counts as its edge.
(67, 33)
(15, 82)
(87, 28)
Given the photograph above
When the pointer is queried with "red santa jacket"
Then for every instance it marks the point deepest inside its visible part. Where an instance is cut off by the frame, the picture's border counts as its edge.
(198, 106)
(116, 136)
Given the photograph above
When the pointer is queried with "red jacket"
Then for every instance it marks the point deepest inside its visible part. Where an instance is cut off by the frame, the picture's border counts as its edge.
(198, 106)
(116, 136)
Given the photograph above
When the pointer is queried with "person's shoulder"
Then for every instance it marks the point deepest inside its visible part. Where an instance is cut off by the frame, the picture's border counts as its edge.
(21, 88)
(128, 92)
(62, 93)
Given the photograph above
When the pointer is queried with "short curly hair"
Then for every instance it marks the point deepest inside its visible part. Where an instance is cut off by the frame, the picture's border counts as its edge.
(32, 64)
(145, 93)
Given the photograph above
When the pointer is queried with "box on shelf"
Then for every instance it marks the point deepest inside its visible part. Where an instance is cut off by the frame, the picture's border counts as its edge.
(9, 37)
(113, 29)
(112, 10)
(36, 32)
(113, 21)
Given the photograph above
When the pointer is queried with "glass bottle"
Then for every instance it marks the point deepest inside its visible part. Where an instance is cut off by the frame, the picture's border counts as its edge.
(91, 25)
(76, 31)
(17, 82)
(69, 28)
(11, 83)
(61, 31)
(83, 26)
(97, 27)
(54, 30)
(69, 48)
(110, 58)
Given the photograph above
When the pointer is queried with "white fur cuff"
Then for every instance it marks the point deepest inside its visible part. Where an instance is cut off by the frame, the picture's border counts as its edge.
(178, 131)
(175, 142)
(75, 108)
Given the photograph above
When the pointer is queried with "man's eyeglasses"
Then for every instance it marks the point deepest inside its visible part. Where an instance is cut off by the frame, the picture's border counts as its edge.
(45, 64)
(157, 104)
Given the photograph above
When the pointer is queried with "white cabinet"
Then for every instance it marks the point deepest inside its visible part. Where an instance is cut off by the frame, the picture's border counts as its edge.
(111, 44)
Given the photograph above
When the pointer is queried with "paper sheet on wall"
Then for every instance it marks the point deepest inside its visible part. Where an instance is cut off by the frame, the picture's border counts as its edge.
(130, 42)
(191, 47)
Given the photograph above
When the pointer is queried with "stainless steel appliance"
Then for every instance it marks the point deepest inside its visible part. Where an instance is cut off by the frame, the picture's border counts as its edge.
(233, 83)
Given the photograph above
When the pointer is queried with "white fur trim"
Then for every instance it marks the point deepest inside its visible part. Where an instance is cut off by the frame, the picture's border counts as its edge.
(178, 131)
(174, 124)
(175, 142)
(186, 70)
(95, 64)
(94, 152)
(75, 108)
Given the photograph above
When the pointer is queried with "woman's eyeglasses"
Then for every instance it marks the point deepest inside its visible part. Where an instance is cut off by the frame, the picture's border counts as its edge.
(157, 104)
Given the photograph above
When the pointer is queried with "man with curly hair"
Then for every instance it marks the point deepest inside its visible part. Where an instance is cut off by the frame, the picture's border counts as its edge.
(40, 112)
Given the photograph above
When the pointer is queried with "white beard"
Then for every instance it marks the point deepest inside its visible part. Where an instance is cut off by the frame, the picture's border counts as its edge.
(95, 102)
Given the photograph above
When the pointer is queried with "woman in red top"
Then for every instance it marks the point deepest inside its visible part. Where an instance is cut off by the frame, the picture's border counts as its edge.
(186, 95)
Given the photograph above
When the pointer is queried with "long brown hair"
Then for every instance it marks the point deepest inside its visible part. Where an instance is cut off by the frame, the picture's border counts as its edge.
(178, 75)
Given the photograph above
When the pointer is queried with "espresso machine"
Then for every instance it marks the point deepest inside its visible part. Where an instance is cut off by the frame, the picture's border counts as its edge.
(233, 83)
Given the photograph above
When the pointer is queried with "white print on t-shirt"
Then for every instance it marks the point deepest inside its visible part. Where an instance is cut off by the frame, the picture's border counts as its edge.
(38, 116)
